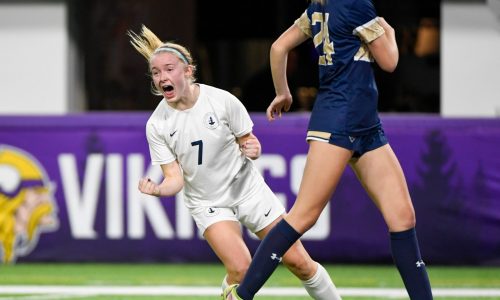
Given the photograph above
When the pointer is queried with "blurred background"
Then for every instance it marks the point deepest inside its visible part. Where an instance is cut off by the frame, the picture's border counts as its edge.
(231, 41)
(75, 96)
(83, 61)
(81, 49)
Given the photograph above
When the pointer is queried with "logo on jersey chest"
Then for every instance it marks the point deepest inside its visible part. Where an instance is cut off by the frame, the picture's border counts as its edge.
(210, 120)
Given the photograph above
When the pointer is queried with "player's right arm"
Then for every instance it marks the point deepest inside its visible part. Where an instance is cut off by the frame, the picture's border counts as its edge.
(290, 39)
(172, 183)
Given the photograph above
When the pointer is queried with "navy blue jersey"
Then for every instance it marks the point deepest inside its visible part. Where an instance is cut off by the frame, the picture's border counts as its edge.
(347, 97)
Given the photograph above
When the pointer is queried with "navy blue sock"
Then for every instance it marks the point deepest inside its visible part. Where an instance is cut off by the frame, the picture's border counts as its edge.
(406, 255)
(266, 258)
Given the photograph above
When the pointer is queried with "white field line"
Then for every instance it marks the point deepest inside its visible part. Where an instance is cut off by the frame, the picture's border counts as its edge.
(83, 291)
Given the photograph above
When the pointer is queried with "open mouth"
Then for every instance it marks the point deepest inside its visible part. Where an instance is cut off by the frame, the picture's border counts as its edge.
(167, 88)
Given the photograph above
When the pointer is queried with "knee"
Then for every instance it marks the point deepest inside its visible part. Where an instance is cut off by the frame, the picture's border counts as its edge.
(302, 267)
(303, 222)
(408, 218)
(310, 222)
(405, 220)
(236, 273)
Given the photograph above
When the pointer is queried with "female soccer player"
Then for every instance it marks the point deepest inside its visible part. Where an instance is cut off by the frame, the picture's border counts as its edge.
(344, 128)
(202, 138)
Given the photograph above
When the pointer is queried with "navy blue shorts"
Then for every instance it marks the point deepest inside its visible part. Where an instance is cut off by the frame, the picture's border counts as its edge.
(359, 144)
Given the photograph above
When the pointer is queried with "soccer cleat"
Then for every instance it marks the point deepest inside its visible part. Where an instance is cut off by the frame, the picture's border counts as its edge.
(230, 293)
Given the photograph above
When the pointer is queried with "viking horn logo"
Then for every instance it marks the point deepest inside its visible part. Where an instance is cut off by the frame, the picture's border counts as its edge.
(27, 205)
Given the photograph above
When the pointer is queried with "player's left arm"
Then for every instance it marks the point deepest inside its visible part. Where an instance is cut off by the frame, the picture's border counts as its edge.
(384, 48)
(241, 125)
(250, 145)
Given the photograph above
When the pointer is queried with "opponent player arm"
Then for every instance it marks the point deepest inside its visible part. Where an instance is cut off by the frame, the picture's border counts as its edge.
(290, 39)
(250, 145)
(385, 49)
(172, 183)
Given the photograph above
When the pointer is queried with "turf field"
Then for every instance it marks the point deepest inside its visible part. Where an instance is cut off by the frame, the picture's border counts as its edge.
(201, 281)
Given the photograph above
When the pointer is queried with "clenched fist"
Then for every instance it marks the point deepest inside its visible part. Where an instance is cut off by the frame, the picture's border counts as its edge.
(147, 186)
(251, 148)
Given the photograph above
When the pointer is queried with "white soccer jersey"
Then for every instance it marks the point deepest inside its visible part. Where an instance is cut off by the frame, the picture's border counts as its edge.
(203, 140)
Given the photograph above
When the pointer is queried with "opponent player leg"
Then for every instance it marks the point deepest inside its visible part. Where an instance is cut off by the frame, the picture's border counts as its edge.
(312, 275)
(381, 175)
(324, 166)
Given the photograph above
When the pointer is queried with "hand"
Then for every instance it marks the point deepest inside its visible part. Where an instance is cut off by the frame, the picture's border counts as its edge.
(280, 102)
(146, 186)
(251, 148)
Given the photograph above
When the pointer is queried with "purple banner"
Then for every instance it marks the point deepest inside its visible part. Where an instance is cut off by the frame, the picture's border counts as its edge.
(68, 192)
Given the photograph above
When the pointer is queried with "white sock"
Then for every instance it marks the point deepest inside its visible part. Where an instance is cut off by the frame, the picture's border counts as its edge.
(224, 283)
(320, 286)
